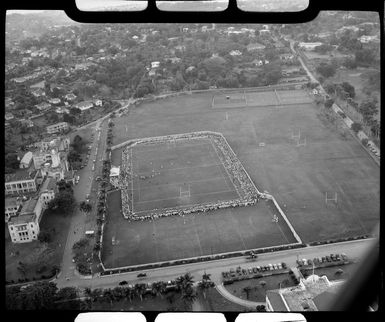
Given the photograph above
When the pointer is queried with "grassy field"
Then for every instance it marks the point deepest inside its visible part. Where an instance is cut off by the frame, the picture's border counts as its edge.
(176, 237)
(258, 291)
(36, 255)
(298, 177)
(185, 166)
(261, 99)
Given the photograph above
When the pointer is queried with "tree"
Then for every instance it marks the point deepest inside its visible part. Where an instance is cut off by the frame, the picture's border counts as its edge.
(329, 103)
(356, 127)
(140, 290)
(85, 207)
(261, 308)
(326, 70)
(183, 282)
(365, 57)
(349, 89)
(247, 290)
(44, 236)
(158, 288)
(368, 109)
(11, 162)
(188, 297)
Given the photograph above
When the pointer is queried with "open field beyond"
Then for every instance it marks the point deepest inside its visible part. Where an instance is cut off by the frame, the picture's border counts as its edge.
(177, 237)
(260, 99)
(298, 177)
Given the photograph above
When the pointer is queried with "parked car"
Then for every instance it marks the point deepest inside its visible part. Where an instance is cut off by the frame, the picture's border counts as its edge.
(244, 271)
(328, 259)
(279, 265)
(338, 257)
(310, 262)
(224, 274)
(324, 259)
(275, 266)
(123, 283)
(284, 266)
(299, 263)
(141, 275)
(250, 270)
(344, 257)
(255, 269)
(258, 268)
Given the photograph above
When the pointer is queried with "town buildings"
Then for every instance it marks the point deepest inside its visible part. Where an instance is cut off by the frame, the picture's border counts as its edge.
(58, 127)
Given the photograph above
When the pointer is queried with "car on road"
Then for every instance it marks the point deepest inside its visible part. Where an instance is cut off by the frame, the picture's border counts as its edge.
(123, 283)
(141, 275)
(344, 257)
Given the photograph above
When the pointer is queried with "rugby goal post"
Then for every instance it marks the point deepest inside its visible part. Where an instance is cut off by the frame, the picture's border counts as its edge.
(331, 198)
(301, 143)
(296, 135)
(184, 191)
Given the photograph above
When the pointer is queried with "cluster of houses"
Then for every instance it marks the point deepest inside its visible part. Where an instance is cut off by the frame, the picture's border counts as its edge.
(30, 188)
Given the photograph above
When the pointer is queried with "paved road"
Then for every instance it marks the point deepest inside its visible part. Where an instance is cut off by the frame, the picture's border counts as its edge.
(353, 249)
(78, 220)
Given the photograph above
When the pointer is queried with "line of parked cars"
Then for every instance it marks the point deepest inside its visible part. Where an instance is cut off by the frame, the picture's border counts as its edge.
(239, 271)
(323, 259)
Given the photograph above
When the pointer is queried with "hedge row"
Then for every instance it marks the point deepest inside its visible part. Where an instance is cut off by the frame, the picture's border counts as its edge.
(198, 259)
(338, 240)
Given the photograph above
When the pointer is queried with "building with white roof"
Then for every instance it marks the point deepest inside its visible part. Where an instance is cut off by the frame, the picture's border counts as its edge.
(26, 160)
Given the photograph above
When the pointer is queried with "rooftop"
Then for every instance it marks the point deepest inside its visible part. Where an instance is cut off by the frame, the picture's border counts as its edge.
(11, 201)
(276, 300)
(29, 206)
(22, 219)
(21, 174)
(48, 184)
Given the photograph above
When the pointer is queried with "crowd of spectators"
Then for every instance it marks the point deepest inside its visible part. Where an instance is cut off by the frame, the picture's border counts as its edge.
(248, 193)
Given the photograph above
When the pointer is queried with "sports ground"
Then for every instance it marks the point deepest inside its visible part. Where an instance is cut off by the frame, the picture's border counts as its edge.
(297, 176)
(184, 173)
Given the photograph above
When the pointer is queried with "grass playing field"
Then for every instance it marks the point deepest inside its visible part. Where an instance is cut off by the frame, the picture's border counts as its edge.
(175, 237)
(184, 173)
(298, 177)
(260, 98)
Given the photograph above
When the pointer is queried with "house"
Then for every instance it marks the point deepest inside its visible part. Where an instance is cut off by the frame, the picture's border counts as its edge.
(314, 293)
(98, 102)
(38, 92)
(155, 64)
(26, 161)
(43, 106)
(255, 47)
(27, 123)
(309, 45)
(173, 60)
(286, 57)
(9, 116)
(190, 69)
(235, 53)
(62, 110)
(264, 32)
(70, 97)
(152, 72)
(257, 62)
(369, 39)
(54, 101)
(114, 176)
(58, 127)
(85, 105)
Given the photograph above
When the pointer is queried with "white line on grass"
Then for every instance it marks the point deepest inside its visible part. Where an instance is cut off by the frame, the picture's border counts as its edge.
(195, 194)
(184, 168)
(236, 228)
(178, 183)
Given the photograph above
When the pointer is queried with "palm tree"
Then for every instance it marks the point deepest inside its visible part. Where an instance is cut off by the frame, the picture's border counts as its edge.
(247, 290)
(108, 296)
(188, 297)
(140, 289)
(184, 282)
(205, 283)
(158, 288)
(85, 207)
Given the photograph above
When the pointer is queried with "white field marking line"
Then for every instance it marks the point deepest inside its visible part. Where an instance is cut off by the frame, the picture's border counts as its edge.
(146, 149)
(154, 232)
(228, 175)
(196, 233)
(183, 168)
(237, 230)
(195, 194)
(177, 183)
(132, 182)
(358, 218)
(282, 233)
